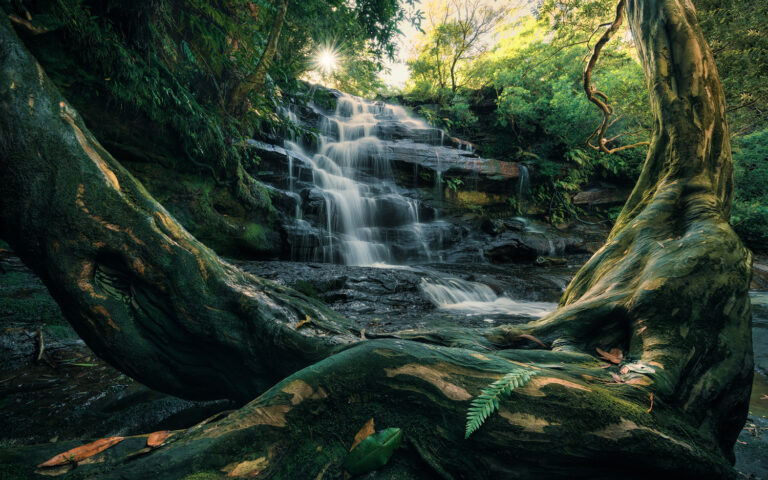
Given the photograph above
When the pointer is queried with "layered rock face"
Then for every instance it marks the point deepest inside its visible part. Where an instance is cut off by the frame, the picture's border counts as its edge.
(372, 184)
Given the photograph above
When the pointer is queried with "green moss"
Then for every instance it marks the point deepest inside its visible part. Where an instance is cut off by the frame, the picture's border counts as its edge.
(306, 288)
(254, 234)
(24, 298)
(13, 472)
(211, 212)
(209, 475)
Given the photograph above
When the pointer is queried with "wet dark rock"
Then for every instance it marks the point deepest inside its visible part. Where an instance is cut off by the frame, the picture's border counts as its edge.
(511, 247)
(760, 274)
(388, 299)
(603, 195)
(69, 394)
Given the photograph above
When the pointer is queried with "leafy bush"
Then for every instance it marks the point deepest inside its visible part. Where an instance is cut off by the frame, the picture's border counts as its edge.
(750, 206)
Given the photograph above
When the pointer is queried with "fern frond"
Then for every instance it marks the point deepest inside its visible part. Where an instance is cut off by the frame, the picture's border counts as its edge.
(487, 401)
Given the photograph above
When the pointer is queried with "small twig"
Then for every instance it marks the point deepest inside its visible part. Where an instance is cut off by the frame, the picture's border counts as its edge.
(41, 353)
(40, 344)
(651, 408)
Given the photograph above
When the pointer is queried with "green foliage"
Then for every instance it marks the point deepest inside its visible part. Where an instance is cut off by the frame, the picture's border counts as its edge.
(173, 64)
(750, 206)
(534, 109)
(453, 183)
(453, 39)
(361, 33)
(373, 452)
(487, 402)
(737, 34)
(168, 68)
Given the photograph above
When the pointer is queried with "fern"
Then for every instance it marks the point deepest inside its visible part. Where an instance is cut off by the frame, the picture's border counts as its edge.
(487, 402)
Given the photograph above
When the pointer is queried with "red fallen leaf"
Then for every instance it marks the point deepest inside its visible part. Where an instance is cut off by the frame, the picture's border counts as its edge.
(82, 452)
(156, 439)
(651, 407)
(624, 370)
(764, 397)
(616, 378)
(615, 356)
(533, 339)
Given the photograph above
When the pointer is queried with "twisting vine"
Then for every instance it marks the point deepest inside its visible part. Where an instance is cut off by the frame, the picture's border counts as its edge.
(599, 98)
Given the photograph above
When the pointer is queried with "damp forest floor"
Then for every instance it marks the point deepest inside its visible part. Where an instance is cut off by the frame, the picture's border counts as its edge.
(69, 394)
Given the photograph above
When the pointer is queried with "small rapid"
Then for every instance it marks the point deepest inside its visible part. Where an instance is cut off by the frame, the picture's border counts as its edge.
(474, 298)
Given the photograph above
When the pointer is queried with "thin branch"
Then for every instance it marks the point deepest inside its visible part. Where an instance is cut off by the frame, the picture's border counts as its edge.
(31, 27)
(626, 133)
(733, 108)
(599, 98)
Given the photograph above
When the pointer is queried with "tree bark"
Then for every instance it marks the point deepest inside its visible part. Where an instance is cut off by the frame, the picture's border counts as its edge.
(670, 289)
(141, 291)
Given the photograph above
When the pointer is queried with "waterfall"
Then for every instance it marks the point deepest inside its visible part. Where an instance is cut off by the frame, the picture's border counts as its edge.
(364, 210)
(524, 183)
(355, 213)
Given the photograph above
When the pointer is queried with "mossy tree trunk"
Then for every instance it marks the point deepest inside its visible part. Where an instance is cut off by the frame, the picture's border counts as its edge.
(669, 289)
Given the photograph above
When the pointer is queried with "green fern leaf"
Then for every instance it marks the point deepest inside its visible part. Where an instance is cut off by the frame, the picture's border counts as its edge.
(487, 401)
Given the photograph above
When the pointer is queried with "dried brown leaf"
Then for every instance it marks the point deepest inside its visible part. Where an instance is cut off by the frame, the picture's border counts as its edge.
(248, 468)
(82, 452)
(533, 339)
(306, 321)
(614, 356)
(367, 430)
(156, 439)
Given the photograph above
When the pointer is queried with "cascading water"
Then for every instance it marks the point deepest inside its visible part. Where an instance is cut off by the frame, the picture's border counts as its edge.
(364, 209)
(524, 183)
(474, 298)
(366, 215)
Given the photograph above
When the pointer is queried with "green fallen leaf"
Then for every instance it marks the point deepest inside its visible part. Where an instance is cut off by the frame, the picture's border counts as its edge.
(373, 452)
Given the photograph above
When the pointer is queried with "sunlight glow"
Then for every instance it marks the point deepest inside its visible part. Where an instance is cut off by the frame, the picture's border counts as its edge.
(327, 60)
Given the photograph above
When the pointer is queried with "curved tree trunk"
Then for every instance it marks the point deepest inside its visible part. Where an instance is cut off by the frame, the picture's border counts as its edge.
(669, 289)
(139, 289)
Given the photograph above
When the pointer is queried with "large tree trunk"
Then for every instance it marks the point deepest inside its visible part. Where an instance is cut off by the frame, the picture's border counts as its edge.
(141, 291)
(669, 289)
